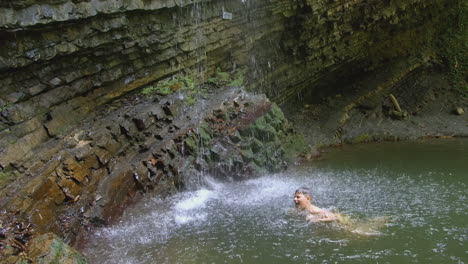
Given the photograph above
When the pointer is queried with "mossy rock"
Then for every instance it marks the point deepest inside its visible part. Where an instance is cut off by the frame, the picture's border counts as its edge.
(191, 144)
(294, 145)
(361, 139)
(6, 177)
(273, 149)
(246, 144)
(48, 248)
(262, 130)
(256, 168)
(235, 137)
(277, 118)
(247, 155)
(247, 132)
(256, 146)
(276, 112)
(266, 134)
(204, 134)
(261, 160)
(234, 160)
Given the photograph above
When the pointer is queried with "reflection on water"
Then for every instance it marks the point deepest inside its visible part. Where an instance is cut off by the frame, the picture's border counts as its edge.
(397, 213)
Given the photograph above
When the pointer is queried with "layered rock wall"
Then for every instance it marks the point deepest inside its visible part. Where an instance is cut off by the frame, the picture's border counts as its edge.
(54, 74)
(61, 59)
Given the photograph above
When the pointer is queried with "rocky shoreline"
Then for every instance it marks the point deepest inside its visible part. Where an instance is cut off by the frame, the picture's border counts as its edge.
(348, 117)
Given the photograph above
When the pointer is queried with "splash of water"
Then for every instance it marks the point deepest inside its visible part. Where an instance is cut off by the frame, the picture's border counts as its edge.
(222, 221)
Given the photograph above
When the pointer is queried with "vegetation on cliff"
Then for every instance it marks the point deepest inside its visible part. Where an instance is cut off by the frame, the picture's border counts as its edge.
(192, 87)
(452, 47)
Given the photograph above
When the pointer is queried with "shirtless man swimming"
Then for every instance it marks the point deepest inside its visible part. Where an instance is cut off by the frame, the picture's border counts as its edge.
(303, 201)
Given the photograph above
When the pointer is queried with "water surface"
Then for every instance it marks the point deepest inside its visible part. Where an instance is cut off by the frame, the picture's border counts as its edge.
(418, 187)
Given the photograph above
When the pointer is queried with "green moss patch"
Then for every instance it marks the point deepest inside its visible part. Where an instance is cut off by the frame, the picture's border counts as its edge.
(5, 178)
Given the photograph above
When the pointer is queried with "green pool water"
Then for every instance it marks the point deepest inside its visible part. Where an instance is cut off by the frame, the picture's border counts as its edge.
(415, 190)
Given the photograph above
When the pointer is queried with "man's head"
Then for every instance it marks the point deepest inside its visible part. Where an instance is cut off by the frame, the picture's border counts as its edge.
(302, 198)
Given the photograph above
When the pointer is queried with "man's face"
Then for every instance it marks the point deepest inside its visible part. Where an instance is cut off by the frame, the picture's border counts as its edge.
(301, 200)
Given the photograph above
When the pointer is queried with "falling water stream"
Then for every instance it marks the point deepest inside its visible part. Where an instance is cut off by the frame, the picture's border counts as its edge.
(405, 202)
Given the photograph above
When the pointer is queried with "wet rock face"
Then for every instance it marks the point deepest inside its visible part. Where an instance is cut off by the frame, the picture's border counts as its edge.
(145, 144)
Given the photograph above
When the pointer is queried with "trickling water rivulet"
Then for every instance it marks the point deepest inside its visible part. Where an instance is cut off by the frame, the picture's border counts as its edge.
(419, 188)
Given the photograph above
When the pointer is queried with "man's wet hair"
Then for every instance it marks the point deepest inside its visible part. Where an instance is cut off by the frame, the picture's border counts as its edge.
(304, 190)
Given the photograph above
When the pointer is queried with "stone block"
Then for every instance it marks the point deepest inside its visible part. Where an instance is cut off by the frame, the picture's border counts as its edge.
(15, 153)
(62, 118)
(13, 97)
(36, 89)
(49, 190)
(69, 187)
(78, 172)
(26, 127)
(19, 112)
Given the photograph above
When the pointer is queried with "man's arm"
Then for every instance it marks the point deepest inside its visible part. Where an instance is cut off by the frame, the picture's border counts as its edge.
(322, 217)
(327, 217)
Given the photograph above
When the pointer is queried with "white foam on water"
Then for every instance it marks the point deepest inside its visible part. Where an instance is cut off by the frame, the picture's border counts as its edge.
(196, 200)
(183, 218)
(238, 219)
(120, 230)
(260, 190)
(192, 205)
